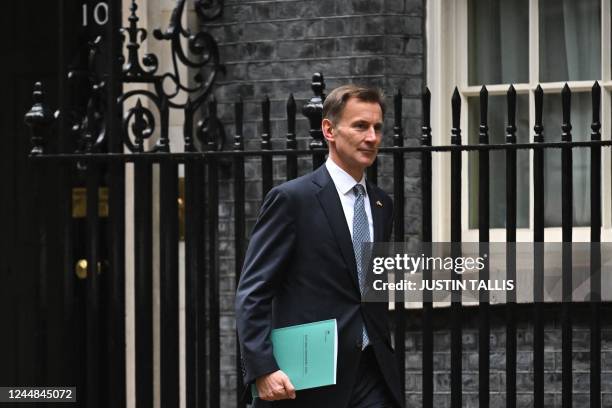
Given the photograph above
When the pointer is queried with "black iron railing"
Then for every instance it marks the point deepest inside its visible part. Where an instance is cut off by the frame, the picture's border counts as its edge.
(202, 245)
(114, 121)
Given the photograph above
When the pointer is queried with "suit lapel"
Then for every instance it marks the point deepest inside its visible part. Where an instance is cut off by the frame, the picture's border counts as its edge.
(332, 207)
(377, 209)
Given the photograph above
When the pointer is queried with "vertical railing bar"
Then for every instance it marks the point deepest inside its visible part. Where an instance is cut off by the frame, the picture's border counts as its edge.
(266, 161)
(169, 311)
(69, 328)
(214, 341)
(595, 303)
(483, 236)
(143, 215)
(69, 366)
(116, 200)
(239, 229)
(456, 330)
(192, 266)
(203, 372)
(93, 359)
(511, 250)
(398, 229)
(291, 142)
(191, 223)
(426, 177)
(538, 238)
(566, 231)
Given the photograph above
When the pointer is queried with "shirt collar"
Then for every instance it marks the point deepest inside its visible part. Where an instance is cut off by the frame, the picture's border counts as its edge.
(344, 182)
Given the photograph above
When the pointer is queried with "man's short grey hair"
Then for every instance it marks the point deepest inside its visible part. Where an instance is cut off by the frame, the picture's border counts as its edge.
(336, 100)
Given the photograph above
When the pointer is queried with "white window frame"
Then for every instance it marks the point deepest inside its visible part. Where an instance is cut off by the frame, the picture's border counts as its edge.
(447, 67)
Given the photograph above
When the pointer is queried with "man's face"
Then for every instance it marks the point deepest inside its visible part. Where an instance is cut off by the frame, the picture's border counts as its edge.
(355, 138)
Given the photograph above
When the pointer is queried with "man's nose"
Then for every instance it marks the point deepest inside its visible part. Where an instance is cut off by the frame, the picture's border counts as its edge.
(371, 134)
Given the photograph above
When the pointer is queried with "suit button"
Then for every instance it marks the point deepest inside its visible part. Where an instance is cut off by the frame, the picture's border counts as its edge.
(359, 345)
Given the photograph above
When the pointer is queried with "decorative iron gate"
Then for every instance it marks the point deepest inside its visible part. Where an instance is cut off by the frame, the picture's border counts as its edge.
(112, 134)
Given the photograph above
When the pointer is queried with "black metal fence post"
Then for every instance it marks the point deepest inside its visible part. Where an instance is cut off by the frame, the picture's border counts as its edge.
(456, 330)
(313, 110)
(93, 332)
(511, 250)
(398, 230)
(538, 261)
(143, 269)
(426, 231)
(266, 160)
(595, 301)
(239, 230)
(169, 285)
(291, 143)
(40, 118)
(566, 231)
(116, 202)
(214, 332)
(483, 237)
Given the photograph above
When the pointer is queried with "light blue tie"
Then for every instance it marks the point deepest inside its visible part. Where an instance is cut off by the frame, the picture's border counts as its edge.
(361, 234)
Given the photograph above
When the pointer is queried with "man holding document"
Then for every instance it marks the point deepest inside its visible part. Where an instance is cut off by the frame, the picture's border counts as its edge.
(303, 267)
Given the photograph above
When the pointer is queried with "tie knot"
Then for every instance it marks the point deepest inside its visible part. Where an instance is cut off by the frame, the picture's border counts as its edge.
(359, 190)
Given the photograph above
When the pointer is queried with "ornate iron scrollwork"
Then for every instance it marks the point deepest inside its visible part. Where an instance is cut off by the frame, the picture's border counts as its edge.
(171, 90)
(90, 129)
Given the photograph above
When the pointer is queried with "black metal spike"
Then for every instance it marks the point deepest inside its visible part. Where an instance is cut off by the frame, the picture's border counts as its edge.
(265, 116)
(456, 109)
(566, 104)
(238, 114)
(426, 127)
(398, 136)
(539, 103)
(596, 101)
(426, 105)
(397, 105)
(511, 100)
(511, 128)
(484, 105)
(291, 110)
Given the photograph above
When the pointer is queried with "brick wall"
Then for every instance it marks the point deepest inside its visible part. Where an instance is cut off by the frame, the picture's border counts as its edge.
(497, 357)
(272, 48)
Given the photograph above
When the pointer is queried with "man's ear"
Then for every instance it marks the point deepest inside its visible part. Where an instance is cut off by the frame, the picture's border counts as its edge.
(328, 130)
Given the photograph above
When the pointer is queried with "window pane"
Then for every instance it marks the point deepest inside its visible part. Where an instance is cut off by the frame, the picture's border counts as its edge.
(497, 161)
(581, 159)
(498, 41)
(570, 40)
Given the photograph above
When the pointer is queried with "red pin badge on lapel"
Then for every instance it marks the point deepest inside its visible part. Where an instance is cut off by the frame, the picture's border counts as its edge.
(379, 204)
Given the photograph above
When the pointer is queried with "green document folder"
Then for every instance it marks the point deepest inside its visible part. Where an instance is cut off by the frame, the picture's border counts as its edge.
(307, 353)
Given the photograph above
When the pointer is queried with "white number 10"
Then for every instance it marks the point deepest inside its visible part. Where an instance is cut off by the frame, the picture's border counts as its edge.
(100, 14)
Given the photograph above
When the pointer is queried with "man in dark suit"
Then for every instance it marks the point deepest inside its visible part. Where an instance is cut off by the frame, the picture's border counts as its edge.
(301, 267)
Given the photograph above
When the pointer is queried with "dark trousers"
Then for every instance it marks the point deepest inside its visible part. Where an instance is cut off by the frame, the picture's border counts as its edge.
(370, 390)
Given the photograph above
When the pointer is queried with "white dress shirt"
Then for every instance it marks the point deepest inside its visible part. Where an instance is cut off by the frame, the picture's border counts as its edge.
(344, 183)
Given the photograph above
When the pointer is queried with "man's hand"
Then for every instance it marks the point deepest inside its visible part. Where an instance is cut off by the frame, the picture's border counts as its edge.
(275, 386)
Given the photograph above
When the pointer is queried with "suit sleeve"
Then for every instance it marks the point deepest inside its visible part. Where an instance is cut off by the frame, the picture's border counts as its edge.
(266, 260)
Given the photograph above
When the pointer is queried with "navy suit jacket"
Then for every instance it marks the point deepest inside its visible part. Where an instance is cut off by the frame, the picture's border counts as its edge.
(299, 268)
